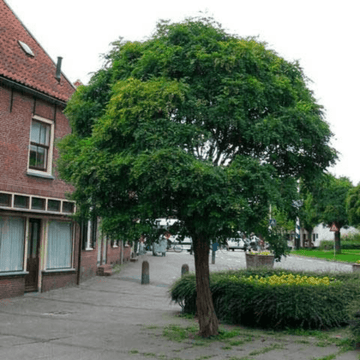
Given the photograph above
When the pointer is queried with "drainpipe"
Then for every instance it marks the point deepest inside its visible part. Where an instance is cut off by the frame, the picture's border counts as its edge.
(79, 255)
(122, 252)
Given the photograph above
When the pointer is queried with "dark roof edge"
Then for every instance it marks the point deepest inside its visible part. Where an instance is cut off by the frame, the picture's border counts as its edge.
(72, 85)
(38, 94)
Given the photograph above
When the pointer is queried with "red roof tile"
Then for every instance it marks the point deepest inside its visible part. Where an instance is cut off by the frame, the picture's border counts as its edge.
(36, 72)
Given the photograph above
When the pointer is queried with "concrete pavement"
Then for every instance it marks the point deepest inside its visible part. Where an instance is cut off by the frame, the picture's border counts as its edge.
(118, 318)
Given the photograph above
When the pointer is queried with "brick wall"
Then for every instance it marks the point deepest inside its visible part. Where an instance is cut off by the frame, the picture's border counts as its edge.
(14, 143)
(11, 286)
(127, 253)
(88, 266)
(113, 255)
(51, 281)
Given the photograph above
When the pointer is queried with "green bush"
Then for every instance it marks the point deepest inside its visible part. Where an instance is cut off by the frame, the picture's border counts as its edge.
(280, 306)
(350, 246)
(354, 319)
(351, 238)
(346, 245)
(326, 244)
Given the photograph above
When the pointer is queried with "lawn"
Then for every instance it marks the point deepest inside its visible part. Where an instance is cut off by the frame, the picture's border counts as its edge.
(350, 256)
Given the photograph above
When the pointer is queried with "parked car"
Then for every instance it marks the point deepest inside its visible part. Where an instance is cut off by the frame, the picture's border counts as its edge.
(186, 242)
(240, 244)
(252, 243)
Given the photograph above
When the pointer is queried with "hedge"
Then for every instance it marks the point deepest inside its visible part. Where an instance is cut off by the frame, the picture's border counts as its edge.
(273, 306)
(346, 245)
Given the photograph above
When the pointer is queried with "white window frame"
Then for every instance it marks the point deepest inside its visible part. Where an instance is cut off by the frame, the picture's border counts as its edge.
(48, 172)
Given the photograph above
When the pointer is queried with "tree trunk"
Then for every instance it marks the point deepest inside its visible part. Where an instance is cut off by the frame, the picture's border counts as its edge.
(337, 242)
(208, 322)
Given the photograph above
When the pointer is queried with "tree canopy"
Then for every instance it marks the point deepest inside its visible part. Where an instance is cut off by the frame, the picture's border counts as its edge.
(196, 124)
(353, 205)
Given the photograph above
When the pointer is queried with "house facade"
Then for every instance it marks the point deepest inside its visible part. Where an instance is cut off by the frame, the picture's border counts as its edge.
(41, 248)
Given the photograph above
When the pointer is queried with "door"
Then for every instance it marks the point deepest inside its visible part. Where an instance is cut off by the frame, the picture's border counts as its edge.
(31, 280)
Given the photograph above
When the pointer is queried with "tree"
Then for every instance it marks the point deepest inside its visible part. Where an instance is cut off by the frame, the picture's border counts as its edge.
(195, 124)
(353, 205)
(309, 216)
(331, 204)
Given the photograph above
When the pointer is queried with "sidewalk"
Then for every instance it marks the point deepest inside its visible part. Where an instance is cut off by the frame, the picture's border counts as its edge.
(118, 318)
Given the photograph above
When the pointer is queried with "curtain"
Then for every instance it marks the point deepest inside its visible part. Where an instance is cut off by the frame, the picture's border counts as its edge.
(12, 238)
(59, 245)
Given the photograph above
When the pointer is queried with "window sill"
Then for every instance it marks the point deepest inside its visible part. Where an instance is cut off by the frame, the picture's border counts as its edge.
(58, 270)
(40, 175)
(89, 249)
(14, 273)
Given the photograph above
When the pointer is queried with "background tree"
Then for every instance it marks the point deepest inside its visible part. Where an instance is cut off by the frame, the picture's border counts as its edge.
(331, 204)
(353, 205)
(309, 216)
(196, 124)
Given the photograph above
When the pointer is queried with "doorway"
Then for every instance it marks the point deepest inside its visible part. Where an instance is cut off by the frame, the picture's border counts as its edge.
(31, 279)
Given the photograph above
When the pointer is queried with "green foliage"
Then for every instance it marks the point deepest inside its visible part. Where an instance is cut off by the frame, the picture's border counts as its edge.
(309, 214)
(280, 306)
(331, 200)
(353, 205)
(193, 123)
(328, 245)
(354, 321)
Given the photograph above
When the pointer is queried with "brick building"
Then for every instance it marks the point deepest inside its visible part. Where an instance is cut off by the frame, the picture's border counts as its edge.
(41, 248)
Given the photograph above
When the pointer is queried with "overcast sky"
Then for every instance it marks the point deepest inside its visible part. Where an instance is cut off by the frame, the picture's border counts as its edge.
(322, 34)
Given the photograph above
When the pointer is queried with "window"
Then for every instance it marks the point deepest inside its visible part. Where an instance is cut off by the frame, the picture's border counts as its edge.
(54, 205)
(84, 235)
(5, 199)
(59, 254)
(41, 140)
(93, 233)
(89, 234)
(21, 201)
(12, 237)
(39, 145)
(68, 207)
(38, 203)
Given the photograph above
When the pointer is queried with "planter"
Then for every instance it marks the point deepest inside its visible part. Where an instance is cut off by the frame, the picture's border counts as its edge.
(255, 260)
(356, 267)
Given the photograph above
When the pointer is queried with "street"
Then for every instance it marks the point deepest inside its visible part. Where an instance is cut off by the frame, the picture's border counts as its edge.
(117, 318)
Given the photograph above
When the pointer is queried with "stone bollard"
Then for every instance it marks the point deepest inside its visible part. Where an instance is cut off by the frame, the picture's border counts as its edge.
(184, 269)
(145, 275)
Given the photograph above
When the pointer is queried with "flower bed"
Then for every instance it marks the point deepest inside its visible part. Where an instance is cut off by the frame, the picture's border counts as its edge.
(275, 298)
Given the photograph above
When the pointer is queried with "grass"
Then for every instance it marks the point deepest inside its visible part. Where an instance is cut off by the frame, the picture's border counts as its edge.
(237, 336)
(349, 256)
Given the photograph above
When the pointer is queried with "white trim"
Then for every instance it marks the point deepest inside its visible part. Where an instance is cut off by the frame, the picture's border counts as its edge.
(58, 270)
(29, 209)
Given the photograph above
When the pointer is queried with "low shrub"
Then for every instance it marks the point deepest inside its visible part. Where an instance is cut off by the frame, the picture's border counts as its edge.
(326, 245)
(350, 246)
(275, 298)
(354, 320)
(346, 245)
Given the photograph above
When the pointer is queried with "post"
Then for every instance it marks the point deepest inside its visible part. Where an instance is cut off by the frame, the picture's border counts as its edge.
(213, 256)
(184, 269)
(145, 276)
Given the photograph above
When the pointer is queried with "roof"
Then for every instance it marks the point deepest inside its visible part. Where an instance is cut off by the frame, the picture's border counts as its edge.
(36, 72)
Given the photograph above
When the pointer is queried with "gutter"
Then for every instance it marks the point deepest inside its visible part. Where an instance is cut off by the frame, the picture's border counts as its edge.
(38, 94)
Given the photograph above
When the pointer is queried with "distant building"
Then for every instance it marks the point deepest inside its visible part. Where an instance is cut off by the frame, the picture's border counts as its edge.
(320, 233)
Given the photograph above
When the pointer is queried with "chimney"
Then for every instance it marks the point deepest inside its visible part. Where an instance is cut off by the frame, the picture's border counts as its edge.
(58, 69)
